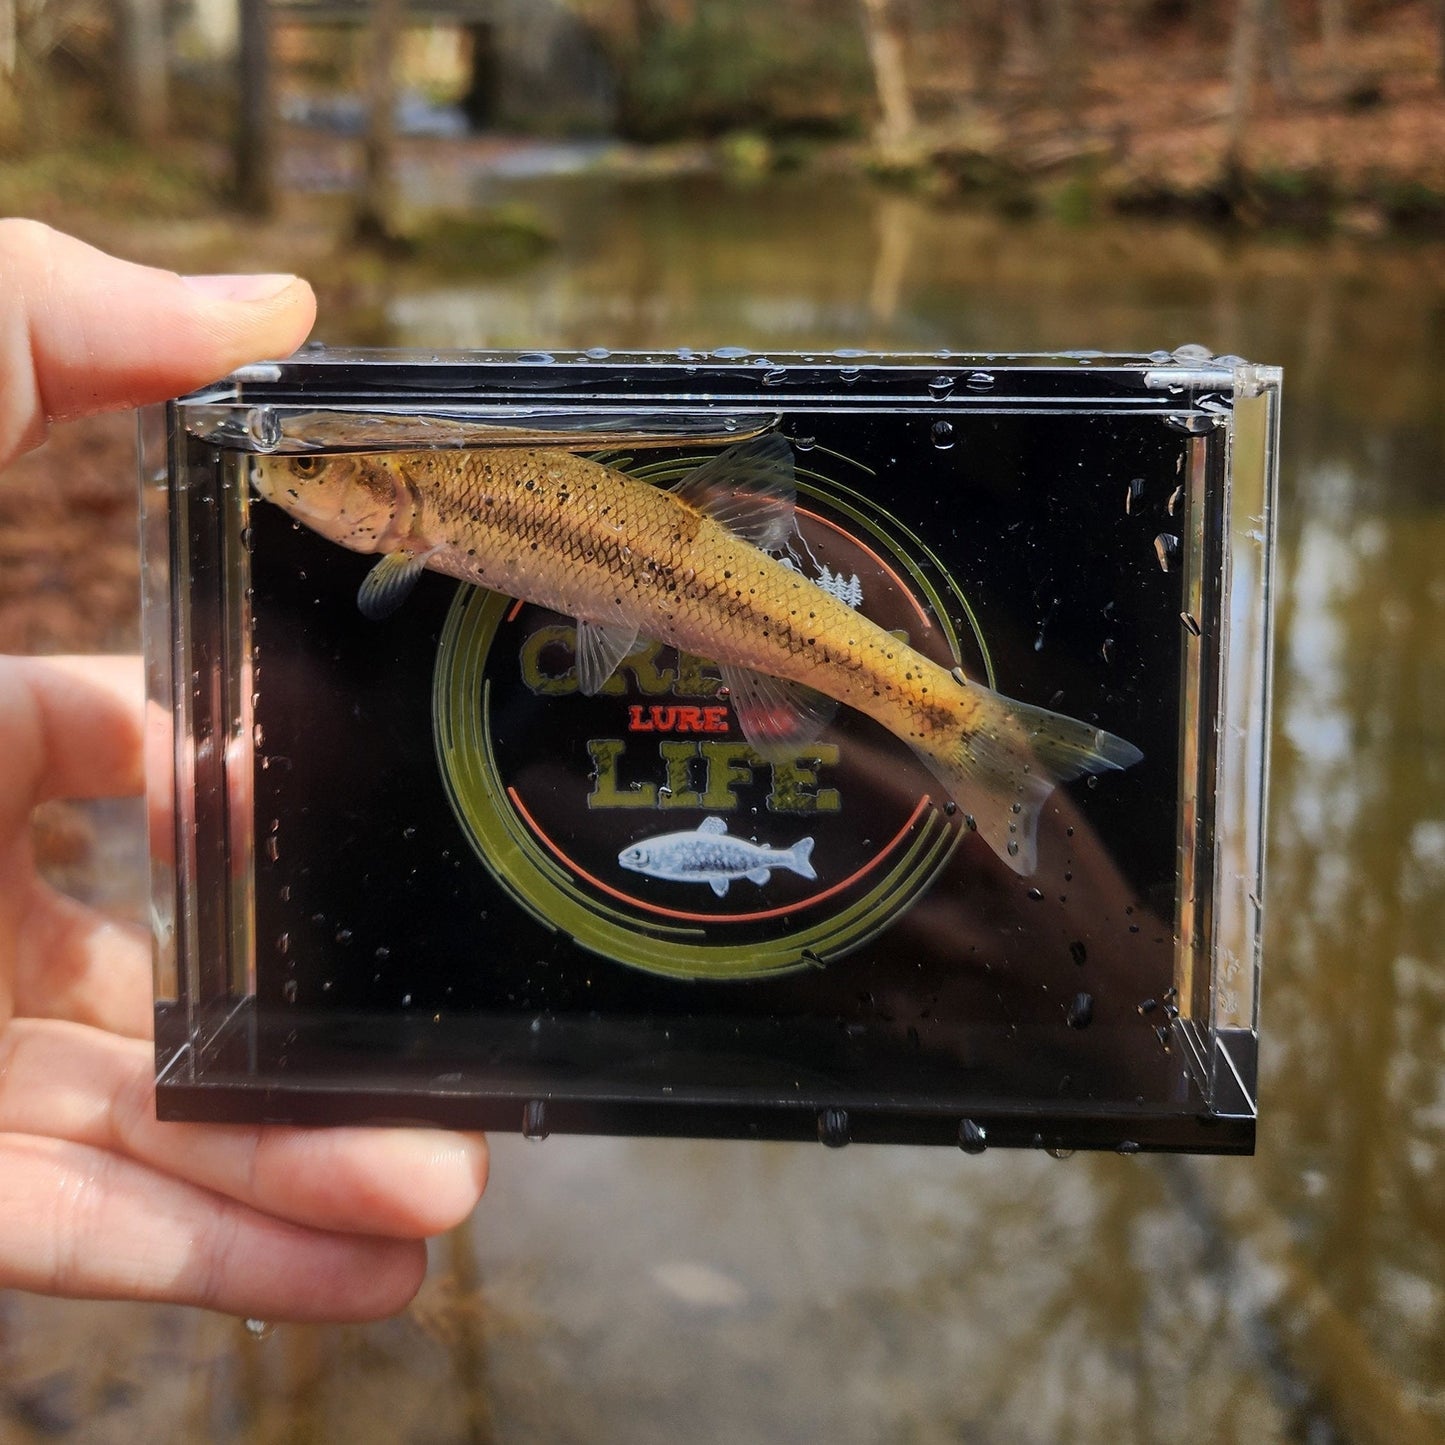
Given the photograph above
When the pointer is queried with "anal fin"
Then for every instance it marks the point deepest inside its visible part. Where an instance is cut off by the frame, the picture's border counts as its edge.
(776, 715)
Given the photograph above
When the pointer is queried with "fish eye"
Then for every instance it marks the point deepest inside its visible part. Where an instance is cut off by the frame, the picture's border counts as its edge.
(307, 466)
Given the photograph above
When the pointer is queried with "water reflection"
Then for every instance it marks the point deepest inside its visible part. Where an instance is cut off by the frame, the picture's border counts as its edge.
(633, 1291)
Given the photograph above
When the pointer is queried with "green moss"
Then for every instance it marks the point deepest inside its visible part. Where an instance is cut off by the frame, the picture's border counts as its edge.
(495, 241)
(1076, 200)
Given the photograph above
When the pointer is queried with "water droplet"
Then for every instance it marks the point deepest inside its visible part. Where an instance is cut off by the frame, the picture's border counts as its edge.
(1013, 847)
(1166, 548)
(247, 534)
(805, 444)
(1191, 626)
(970, 822)
(258, 736)
(1193, 423)
(408, 833)
(1148, 1005)
(972, 1137)
(979, 381)
(1128, 1146)
(536, 358)
(260, 1329)
(273, 850)
(1106, 649)
(1015, 807)
(950, 808)
(1165, 1036)
(940, 386)
(534, 1121)
(1081, 1011)
(833, 1127)
(343, 935)
(285, 893)
(1192, 352)
(406, 1000)
(730, 353)
(1035, 895)
(283, 944)
(1132, 494)
(942, 433)
(1077, 951)
(849, 374)
(597, 353)
(1174, 497)
(1057, 1151)
(776, 377)
(263, 428)
(382, 954)
(289, 990)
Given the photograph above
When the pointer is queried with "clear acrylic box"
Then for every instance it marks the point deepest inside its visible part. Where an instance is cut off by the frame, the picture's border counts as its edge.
(438, 852)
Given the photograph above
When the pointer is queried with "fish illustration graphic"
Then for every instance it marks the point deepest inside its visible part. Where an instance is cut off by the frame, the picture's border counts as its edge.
(709, 854)
(691, 567)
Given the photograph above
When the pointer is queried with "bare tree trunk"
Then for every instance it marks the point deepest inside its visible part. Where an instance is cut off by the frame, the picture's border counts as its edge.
(1021, 42)
(375, 218)
(1260, 32)
(983, 41)
(9, 46)
(9, 79)
(1243, 62)
(1334, 22)
(255, 129)
(1276, 33)
(141, 73)
(897, 121)
(1063, 47)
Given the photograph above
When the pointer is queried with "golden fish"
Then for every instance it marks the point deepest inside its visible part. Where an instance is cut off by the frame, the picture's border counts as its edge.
(690, 567)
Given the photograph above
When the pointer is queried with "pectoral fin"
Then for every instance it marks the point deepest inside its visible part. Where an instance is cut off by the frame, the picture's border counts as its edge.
(719, 886)
(389, 584)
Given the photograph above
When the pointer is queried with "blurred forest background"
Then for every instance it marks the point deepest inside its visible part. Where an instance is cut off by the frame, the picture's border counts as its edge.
(1262, 112)
(1266, 177)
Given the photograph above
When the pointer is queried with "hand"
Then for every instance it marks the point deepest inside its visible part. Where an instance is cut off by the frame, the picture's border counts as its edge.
(97, 1198)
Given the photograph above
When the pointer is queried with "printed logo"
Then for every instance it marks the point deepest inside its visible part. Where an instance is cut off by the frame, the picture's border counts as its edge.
(641, 822)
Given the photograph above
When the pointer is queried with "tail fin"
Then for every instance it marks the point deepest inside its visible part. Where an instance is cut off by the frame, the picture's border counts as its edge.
(800, 857)
(1003, 767)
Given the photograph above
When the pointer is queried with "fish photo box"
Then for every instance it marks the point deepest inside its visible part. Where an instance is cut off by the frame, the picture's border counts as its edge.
(842, 747)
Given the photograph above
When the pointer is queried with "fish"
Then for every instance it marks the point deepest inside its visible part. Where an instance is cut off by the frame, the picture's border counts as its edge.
(710, 855)
(693, 566)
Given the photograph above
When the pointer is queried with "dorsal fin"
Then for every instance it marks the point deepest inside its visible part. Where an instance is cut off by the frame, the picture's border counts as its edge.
(712, 824)
(749, 489)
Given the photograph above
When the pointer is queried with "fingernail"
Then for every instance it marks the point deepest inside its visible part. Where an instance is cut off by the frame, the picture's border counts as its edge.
(238, 288)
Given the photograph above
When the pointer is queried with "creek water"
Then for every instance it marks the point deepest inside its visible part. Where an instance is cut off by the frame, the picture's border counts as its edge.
(650, 1290)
